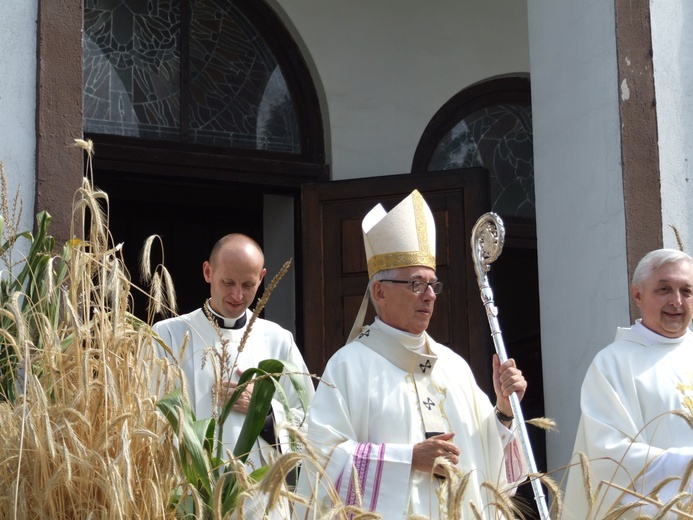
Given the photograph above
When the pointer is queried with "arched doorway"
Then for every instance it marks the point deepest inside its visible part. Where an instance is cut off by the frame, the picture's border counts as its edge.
(206, 122)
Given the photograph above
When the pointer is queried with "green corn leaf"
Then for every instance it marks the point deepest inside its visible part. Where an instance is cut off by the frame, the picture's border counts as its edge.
(260, 404)
(296, 377)
(226, 493)
(9, 243)
(169, 403)
(195, 459)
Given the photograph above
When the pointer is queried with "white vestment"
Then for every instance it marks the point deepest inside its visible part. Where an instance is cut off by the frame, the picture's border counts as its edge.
(367, 425)
(627, 430)
(267, 340)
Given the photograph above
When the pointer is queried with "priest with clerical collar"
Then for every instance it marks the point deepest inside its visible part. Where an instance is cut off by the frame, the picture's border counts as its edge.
(234, 272)
(222, 321)
(396, 400)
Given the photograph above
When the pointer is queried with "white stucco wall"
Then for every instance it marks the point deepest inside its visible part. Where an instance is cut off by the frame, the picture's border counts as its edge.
(580, 214)
(672, 41)
(386, 67)
(17, 102)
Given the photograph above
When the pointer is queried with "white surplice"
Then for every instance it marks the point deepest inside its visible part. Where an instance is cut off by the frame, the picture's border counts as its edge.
(267, 340)
(368, 422)
(627, 429)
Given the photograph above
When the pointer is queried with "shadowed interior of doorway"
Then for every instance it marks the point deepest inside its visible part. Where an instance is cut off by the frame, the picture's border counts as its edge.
(188, 217)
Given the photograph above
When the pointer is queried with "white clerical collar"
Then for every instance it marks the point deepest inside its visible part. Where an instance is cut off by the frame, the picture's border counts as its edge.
(223, 321)
(413, 342)
(653, 337)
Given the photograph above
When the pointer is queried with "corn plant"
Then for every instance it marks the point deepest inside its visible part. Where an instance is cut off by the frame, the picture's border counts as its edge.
(217, 483)
(33, 292)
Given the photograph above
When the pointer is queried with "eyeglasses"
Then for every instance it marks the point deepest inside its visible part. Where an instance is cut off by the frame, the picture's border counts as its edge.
(419, 286)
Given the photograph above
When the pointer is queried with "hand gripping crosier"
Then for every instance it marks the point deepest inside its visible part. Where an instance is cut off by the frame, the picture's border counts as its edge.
(488, 236)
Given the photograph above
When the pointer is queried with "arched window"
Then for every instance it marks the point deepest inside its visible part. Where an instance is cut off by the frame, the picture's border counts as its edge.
(198, 72)
(488, 125)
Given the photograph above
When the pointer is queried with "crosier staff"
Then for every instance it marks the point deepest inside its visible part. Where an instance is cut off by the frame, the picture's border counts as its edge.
(488, 236)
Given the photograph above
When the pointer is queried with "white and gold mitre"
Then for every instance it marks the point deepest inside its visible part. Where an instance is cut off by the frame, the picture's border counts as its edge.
(404, 237)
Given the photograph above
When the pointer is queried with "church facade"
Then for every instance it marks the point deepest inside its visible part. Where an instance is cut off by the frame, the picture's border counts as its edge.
(571, 120)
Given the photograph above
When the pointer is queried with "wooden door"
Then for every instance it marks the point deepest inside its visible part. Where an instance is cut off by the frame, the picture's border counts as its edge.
(334, 265)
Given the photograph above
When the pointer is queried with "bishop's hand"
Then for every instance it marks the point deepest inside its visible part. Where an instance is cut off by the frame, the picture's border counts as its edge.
(507, 379)
(426, 452)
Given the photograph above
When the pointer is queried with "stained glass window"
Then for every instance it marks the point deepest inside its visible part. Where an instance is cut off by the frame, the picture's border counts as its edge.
(498, 138)
(207, 77)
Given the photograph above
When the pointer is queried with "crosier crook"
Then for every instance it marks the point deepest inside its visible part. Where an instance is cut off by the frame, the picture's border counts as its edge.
(488, 237)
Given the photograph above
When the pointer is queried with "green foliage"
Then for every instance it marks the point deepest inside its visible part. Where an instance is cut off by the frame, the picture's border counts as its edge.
(215, 481)
(33, 294)
(196, 439)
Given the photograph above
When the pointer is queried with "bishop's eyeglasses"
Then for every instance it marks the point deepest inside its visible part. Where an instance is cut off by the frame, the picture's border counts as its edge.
(419, 286)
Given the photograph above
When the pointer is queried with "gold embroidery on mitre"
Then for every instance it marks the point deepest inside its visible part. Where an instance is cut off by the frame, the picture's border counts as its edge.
(394, 260)
(423, 256)
(421, 228)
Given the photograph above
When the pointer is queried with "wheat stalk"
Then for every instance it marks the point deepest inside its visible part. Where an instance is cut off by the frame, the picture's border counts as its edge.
(262, 302)
(85, 439)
